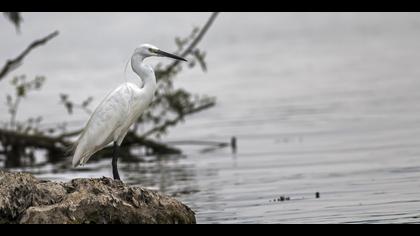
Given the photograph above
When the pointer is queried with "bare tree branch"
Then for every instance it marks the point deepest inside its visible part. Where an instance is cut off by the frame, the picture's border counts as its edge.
(38, 141)
(194, 43)
(11, 138)
(12, 64)
(173, 122)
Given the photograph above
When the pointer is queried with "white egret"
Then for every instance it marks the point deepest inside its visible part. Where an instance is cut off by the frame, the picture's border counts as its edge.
(120, 109)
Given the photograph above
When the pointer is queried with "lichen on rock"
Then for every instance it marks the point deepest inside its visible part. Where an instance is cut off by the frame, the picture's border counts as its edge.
(27, 200)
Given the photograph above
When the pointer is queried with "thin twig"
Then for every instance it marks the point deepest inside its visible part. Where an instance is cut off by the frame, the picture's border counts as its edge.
(194, 43)
(12, 64)
(70, 134)
(198, 142)
(173, 122)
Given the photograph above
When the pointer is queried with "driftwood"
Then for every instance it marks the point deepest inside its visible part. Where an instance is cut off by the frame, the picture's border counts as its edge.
(14, 145)
(58, 144)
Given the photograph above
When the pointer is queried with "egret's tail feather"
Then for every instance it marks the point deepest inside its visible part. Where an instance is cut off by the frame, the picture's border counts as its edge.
(76, 161)
(77, 154)
(81, 155)
(70, 149)
(78, 158)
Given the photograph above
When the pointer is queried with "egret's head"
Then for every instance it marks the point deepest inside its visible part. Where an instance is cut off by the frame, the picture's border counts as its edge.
(147, 50)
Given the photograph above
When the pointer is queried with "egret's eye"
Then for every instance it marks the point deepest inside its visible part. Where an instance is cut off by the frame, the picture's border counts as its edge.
(151, 50)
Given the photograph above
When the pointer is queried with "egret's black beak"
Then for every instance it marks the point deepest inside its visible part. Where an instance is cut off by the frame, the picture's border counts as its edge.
(165, 54)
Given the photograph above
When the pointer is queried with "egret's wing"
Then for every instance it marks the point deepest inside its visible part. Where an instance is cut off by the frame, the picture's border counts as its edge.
(103, 123)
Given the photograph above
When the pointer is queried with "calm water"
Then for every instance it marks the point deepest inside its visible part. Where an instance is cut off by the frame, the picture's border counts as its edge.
(324, 103)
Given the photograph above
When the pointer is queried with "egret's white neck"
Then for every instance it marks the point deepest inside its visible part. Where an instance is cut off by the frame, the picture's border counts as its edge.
(145, 72)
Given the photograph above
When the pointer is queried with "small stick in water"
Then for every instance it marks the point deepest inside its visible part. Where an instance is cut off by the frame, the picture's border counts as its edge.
(233, 144)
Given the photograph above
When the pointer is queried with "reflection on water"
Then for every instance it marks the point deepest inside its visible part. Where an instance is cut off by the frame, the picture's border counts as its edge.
(356, 186)
(334, 110)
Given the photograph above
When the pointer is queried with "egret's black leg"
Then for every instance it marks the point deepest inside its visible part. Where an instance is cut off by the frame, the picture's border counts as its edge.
(114, 162)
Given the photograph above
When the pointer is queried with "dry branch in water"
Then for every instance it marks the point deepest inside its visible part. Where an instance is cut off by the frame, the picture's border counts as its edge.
(173, 122)
(178, 102)
(14, 146)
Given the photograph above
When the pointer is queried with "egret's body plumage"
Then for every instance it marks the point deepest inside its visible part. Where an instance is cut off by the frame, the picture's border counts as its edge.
(112, 119)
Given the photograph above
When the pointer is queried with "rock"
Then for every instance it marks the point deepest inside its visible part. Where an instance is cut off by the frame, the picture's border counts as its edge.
(27, 200)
